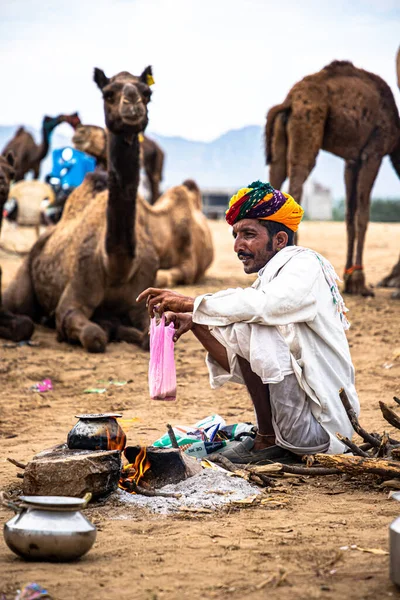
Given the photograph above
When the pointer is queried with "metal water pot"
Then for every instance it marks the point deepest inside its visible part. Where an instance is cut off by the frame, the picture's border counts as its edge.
(48, 527)
(97, 432)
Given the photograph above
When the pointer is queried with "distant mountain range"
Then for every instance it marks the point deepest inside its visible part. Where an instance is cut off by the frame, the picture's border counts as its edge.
(232, 160)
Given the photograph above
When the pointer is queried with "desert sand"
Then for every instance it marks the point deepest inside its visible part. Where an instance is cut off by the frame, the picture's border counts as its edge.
(290, 549)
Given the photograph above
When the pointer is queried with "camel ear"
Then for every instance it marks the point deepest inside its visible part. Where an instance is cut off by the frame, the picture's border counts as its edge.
(10, 158)
(100, 78)
(147, 76)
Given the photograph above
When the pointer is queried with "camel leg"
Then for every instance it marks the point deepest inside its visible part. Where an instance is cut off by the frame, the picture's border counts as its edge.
(76, 307)
(278, 167)
(350, 178)
(74, 325)
(185, 273)
(355, 283)
(138, 332)
(14, 327)
(118, 332)
(19, 298)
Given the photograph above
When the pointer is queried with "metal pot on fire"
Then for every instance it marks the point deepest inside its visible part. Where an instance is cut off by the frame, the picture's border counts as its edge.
(97, 432)
(48, 528)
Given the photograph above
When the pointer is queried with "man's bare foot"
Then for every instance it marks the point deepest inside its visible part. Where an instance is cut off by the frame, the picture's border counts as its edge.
(263, 441)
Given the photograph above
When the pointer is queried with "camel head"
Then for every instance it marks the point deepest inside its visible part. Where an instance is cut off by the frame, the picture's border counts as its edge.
(90, 139)
(72, 119)
(7, 172)
(125, 100)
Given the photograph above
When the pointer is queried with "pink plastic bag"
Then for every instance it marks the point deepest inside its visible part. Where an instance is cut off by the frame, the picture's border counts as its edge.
(162, 372)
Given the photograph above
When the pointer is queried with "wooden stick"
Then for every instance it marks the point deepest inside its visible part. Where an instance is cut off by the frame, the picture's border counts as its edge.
(138, 489)
(353, 447)
(365, 447)
(238, 470)
(172, 437)
(357, 465)
(279, 468)
(384, 447)
(396, 399)
(367, 437)
(245, 471)
(389, 415)
(18, 464)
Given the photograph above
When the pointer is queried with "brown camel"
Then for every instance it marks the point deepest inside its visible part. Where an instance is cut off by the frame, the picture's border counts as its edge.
(89, 268)
(180, 234)
(351, 113)
(29, 155)
(12, 327)
(393, 279)
(92, 139)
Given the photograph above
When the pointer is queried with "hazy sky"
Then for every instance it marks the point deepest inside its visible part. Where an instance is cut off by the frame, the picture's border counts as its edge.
(217, 64)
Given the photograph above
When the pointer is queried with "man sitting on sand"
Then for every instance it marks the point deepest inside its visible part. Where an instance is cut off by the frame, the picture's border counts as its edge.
(283, 337)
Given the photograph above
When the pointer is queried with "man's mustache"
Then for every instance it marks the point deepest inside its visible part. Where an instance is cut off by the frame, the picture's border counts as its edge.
(245, 254)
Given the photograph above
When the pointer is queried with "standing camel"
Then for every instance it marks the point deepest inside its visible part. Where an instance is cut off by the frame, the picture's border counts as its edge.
(393, 279)
(28, 155)
(351, 113)
(92, 139)
(12, 327)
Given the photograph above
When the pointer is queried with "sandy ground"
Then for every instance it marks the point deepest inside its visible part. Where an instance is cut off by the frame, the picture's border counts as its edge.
(289, 551)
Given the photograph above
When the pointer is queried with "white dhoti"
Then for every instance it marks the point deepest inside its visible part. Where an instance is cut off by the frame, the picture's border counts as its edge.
(296, 429)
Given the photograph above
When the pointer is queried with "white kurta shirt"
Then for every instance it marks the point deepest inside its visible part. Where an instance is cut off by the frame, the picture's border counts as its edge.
(289, 306)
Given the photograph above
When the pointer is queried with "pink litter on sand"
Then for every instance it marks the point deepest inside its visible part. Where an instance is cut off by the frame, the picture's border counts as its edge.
(162, 371)
(43, 386)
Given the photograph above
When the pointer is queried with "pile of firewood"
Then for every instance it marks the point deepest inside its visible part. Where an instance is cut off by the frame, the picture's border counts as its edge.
(377, 455)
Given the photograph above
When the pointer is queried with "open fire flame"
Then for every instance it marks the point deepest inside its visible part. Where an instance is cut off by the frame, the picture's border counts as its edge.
(117, 441)
(133, 473)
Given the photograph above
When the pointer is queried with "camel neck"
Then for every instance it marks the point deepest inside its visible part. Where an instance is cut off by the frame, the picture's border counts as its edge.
(43, 147)
(123, 183)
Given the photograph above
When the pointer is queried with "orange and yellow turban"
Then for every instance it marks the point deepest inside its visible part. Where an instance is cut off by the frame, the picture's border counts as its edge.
(262, 201)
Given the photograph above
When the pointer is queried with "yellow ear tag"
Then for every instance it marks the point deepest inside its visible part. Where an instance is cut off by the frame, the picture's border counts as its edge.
(149, 79)
(141, 138)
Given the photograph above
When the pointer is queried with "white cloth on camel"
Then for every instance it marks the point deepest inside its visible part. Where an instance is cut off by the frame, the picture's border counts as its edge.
(292, 295)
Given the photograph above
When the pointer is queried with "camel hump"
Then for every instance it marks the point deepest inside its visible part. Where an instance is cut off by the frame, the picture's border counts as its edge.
(98, 180)
(194, 192)
(20, 130)
(339, 65)
(191, 185)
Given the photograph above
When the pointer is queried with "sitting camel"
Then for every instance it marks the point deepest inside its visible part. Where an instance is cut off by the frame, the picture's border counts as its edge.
(179, 230)
(28, 155)
(180, 234)
(92, 139)
(88, 270)
(12, 327)
(351, 113)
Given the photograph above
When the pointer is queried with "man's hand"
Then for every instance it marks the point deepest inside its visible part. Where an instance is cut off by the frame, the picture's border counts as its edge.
(162, 300)
(182, 322)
